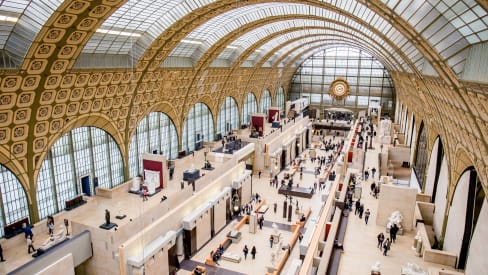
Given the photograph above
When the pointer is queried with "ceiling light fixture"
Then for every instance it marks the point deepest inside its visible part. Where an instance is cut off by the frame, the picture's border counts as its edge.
(6, 18)
(122, 33)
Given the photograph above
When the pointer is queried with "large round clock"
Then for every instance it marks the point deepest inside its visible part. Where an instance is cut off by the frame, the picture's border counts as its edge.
(339, 89)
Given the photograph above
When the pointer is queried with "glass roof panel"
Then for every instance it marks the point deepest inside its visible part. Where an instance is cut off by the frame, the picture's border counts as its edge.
(443, 22)
(251, 38)
(149, 18)
(30, 16)
(359, 38)
(216, 28)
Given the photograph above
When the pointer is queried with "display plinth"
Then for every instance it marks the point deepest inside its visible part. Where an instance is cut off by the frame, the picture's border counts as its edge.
(108, 226)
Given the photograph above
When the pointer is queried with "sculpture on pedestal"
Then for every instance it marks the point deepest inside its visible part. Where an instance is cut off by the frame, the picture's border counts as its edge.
(107, 217)
(413, 269)
(395, 218)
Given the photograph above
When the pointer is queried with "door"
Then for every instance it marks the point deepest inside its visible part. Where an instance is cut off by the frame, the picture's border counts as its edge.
(85, 185)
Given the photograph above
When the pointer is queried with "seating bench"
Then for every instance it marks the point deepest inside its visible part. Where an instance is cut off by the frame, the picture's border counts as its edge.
(15, 228)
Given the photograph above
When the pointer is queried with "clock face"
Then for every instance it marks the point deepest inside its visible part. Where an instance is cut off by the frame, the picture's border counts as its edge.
(339, 89)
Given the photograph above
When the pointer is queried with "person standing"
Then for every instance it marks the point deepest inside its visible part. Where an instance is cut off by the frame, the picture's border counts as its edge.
(253, 252)
(245, 250)
(373, 171)
(357, 205)
(271, 240)
(366, 216)
(393, 232)
(381, 238)
(30, 245)
(361, 210)
(50, 225)
(259, 174)
(1, 254)
(144, 194)
(386, 246)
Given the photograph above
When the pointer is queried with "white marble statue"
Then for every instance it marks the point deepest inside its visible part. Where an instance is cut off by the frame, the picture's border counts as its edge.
(376, 267)
(275, 227)
(413, 269)
(385, 127)
(395, 218)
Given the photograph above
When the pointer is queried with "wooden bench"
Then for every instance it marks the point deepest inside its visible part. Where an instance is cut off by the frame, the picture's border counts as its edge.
(15, 228)
(74, 202)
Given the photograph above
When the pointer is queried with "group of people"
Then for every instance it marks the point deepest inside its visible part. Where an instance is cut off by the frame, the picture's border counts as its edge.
(245, 250)
(359, 209)
(385, 245)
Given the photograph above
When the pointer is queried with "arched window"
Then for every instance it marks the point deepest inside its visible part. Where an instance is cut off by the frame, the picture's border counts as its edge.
(79, 161)
(368, 80)
(421, 156)
(14, 201)
(280, 99)
(228, 117)
(265, 102)
(156, 133)
(249, 107)
(198, 128)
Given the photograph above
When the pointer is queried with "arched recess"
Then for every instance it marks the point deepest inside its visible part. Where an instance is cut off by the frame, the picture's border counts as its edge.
(410, 130)
(78, 162)
(463, 217)
(265, 102)
(421, 155)
(13, 204)
(440, 201)
(248, 108)
(228, 118)
(404, 122)
(433, 172)
(280, 99)
(412, 138)
(155, 133)
(198, 127)
(88, 120)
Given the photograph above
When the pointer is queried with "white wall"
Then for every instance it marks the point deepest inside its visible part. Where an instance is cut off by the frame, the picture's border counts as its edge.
(219, 214)
(414, 183)
(203, 228)
(457, 216)
(246, 190)
(476, 262)
(430, 178)
(441, 198)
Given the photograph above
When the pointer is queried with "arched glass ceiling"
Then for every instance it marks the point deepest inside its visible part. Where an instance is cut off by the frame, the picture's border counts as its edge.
(297, 48)
(202, 38)
(450, 26)
(304, 51)
(251, 38)
(20, 22)
(378, 45)
(145, 18)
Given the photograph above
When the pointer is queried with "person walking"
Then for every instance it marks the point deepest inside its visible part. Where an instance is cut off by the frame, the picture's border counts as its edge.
(30, 245)
(144, 194)
(253, 252)
(50, 224)
(271, 240)
(373, 171)
(366, 216)
(1, 254)
(259, 174)
(386, 246)
(357, 205)
(381, 238)
(361, 210)
(393, 232)
(245, 250)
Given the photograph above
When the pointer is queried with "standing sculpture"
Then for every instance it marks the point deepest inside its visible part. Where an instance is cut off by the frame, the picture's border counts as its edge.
(107, 217)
